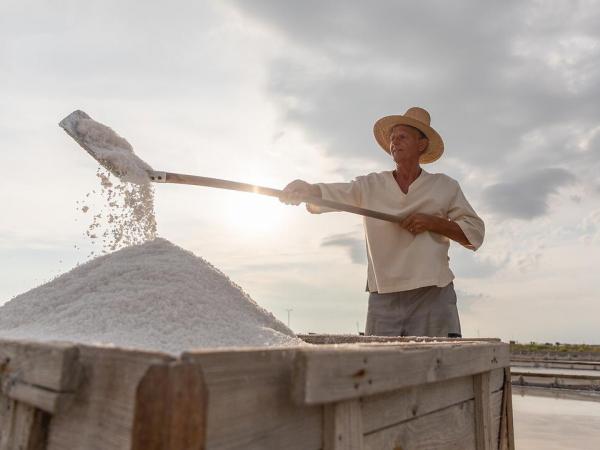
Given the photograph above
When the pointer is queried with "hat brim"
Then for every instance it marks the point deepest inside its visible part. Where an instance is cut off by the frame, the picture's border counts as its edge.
(383, 128)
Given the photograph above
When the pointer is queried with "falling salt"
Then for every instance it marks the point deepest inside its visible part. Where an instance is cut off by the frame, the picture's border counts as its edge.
(126, 216)
(153, 296)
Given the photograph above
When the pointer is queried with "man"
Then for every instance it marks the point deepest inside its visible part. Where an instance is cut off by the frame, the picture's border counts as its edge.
(409, 280)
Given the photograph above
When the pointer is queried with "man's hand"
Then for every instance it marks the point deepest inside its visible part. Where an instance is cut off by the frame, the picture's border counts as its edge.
(295, 192)
(418, 223)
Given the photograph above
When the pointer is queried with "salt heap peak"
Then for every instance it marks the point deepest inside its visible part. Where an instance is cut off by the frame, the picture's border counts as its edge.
(154, 296)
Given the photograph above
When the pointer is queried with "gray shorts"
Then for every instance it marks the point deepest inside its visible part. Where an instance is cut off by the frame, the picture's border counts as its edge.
(426, 311)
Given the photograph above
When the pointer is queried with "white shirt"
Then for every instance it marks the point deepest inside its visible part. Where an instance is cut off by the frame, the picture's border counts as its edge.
(397, 259)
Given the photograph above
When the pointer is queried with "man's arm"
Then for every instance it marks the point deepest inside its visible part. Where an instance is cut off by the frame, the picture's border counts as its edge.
(348, 193)
(295, 191)
(419, 222)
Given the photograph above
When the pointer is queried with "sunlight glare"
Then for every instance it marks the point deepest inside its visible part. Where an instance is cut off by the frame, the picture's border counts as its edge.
(254, 214)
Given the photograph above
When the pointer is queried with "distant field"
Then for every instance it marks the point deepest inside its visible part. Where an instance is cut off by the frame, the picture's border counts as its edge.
(556, 347)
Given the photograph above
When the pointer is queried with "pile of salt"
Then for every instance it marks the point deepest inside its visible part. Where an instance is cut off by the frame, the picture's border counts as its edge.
(153, 296)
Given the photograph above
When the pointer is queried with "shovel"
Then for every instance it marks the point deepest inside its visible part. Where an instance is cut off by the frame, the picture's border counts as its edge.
(104, 145)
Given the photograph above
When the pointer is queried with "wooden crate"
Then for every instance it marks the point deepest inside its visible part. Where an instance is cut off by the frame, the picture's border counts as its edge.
(370, 393)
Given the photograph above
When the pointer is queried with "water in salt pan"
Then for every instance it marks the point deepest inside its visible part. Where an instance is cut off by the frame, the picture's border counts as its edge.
(153, 296)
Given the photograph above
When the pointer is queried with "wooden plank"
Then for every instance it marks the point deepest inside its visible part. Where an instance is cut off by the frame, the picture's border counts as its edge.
(170, 410)
(510, 430)
(320, 339)
(342, 426)
(504, 432)
(52, 365)
(44, 399)
(325, 374)
(483, 418)
(101, 415)
(22, 426)
(249, 401)
(507, 438)
(391, 408)
(447, 429)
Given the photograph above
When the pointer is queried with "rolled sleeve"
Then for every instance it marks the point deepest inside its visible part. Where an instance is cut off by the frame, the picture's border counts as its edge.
(463, 214)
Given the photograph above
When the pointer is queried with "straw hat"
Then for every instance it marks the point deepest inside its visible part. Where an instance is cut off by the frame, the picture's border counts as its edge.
(414, 117)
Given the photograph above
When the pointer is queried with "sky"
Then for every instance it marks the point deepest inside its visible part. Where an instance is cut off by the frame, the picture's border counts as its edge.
(266, 92)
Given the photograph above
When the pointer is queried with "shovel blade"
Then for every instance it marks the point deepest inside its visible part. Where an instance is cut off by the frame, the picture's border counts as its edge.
(103, 144)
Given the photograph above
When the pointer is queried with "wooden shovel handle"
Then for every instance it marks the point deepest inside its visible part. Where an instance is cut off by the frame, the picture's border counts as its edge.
(177, 178)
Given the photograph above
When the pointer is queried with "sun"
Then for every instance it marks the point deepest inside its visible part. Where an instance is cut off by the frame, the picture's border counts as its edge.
(254, 214)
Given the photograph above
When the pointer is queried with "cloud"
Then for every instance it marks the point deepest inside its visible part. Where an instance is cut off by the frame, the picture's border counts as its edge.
(466, 300)
(520, 65)
(124, 51)
(527, 196)
(467, 264)
(355, 246)
(590, 227)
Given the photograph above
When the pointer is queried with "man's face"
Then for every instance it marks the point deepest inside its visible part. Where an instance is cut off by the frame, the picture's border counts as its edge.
(406, 144)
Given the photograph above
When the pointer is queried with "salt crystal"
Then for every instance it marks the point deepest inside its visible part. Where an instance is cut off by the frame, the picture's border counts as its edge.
(107, 147)
(127, 216)
(154, 296)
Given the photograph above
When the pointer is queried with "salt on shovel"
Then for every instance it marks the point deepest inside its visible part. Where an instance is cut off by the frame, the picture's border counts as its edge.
(116, 154)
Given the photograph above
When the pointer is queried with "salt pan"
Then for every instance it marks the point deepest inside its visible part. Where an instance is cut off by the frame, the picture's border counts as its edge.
(153, 296)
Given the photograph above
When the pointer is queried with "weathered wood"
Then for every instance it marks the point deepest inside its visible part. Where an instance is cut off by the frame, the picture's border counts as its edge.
(508, 412)
(449, 428)
(483, 417)
(35, 379)
(170, 410)
(102, 412)
(503, 432)
(342, 426)
(52, 365)
(22, 426)
(249, 401)
(390, 395)
(44, 399)
(325, 374)
(390, 408)
(321, 339)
